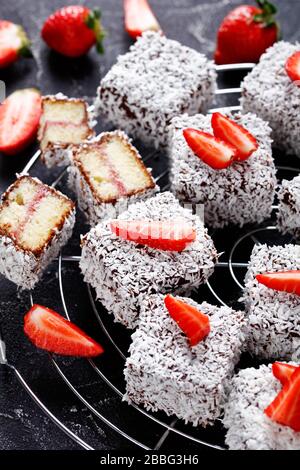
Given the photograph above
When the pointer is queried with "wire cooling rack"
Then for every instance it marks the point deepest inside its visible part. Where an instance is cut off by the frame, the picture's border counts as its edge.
(229, 271)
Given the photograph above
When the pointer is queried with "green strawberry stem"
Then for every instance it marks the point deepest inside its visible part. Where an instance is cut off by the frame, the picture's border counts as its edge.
(266, 17)
(24, 50)
(93, 22)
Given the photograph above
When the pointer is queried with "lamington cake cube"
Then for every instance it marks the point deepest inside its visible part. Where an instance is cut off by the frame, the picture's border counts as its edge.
(269, 92)
(274, 327)
(107, 175)
(163, 372)
(35, 222)
(64, 121)
(123, 272)
(240, 194)
(156, 80)
(249, 428)
(288, 215)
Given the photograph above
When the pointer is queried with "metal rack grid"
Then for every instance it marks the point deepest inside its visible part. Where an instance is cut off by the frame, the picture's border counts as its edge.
(166, 426)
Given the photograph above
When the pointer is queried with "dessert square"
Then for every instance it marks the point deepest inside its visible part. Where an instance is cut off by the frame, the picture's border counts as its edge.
(240, 194)
(107, 175)
(123, 272)
(64, 121)
(273, 316)
(288, 215)
(35, 222)
(156, 80)
(269, 92)
(252, 390)
(163, 372)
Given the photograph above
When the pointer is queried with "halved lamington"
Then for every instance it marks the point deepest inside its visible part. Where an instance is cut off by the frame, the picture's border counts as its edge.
(164, 372)
(239, 194)
(161, 247)
(35, 222)
(64, 121)
(156, 80)
(288, 215)
(272, 302)
(250, 424)
(107, 175)
(269, 92)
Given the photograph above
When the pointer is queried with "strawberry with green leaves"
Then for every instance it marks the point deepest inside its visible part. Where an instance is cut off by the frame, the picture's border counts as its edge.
(246, 32)
(73, 30)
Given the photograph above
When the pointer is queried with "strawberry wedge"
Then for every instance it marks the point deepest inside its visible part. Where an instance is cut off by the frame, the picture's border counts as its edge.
(211, 150)
(162, 235)
(285, 408)
(228, 130)
(139, 18)
(19, 119)
(284, 281)
(283, 372)
(13, 43)
(191, 321)
(48, 330)
(292, 67)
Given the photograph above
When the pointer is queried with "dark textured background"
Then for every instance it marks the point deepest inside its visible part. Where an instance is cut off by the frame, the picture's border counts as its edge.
(22, 424)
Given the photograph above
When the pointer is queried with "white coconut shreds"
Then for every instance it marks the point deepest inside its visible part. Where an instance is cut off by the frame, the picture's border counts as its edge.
(94, 210)
(240, 194)
(156, 80)
(123, 272)
(25, 268)
(269, 92)
(288, 215)
(164, 373)
(273, 316)
(252, 390)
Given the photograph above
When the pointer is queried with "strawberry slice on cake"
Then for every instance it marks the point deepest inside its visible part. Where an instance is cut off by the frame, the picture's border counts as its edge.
(163, 235)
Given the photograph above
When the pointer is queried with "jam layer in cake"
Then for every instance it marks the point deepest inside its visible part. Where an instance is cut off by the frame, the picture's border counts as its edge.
(35, 221)
(64, 121)
(107, 171)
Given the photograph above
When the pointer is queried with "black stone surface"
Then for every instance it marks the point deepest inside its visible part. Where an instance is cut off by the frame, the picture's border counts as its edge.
(22, 424)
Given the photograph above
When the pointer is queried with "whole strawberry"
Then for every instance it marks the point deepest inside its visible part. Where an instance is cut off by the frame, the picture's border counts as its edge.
(246, 32)
(73, 30)
(13, 43)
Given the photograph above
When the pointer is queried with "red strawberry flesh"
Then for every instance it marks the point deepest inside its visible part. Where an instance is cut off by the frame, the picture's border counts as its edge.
(214, 152)
(292, 67)
(190, 320)
(245, 33)
(228, 130)
(162, 235)
(283, 372)
(139, 18)
(19, 119)
(50, 331)
(284, 281)
(285, 408)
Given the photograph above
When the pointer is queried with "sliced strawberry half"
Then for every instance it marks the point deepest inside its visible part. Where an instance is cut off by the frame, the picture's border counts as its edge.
(228, 130)
(13, 43)
(19, 119)
(285, 408)
(283, 372)
(50, 331)
(139, 18)
(162, 235)
(292, 67)
(190, 320)
(284, 281)
(213, 151)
